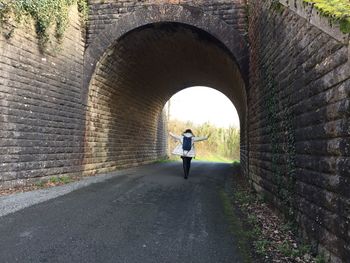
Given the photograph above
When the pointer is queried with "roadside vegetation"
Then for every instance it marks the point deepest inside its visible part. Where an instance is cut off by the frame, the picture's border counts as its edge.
(335, 10)
(268, 235)
(222, 146)
(41, 184)
(50, 17)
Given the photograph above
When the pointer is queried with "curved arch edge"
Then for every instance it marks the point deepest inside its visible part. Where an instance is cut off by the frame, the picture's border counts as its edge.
(184, 14)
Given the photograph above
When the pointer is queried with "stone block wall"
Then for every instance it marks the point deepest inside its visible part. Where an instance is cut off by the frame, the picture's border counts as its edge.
(299, 144)
(42, 117)
(160, 60)
(133, 81)
(103, 13)
(48, 128)
(298, 132)
(125, 124)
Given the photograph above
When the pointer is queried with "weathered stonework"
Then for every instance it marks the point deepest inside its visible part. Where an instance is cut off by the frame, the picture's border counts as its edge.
(97, 104)
(298, 103)
(69, 126)
(42, 117)
(104, 13)
(168, 49)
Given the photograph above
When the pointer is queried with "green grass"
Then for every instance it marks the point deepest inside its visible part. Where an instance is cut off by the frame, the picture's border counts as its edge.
(56, 180)
(237, 227)
(40, 184)
(214, 158)
(261, 246)
(208, 158)
(60, 180)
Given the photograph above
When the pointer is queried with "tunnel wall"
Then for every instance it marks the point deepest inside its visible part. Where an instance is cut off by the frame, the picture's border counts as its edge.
(299, 106)
(200, 53)
(45, 116)
(125, 122)
(104, 13)
(298, 101)
(42, 116)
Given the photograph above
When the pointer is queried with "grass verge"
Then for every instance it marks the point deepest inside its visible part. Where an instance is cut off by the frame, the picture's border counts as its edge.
(237, 228)
(213, 158)
(260, 228)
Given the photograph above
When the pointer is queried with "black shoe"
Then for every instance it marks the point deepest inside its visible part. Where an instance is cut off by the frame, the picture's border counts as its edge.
(186, 177)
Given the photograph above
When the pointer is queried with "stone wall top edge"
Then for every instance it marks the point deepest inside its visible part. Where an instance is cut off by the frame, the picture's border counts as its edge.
(311, 14)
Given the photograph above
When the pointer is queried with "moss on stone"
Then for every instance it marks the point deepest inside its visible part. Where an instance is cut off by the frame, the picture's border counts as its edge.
(338, 10)
(45, 13)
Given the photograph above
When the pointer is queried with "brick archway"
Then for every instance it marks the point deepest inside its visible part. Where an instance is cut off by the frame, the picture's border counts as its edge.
(187, 15)
(135, 65)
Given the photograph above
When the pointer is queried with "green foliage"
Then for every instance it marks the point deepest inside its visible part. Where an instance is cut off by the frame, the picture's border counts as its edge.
(244, 197)
(223, 144)
(320, 258)
(337, 10)
(214, 158)
(40, 184)
(54, 180)
(83, 8)
(287, 250)
(261, 246)
(45, 13)
(60, 180)
(277, 6)
(237, 227)
(282, 140)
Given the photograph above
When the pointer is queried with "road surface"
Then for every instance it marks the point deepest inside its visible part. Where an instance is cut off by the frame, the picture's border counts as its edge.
(147, 214)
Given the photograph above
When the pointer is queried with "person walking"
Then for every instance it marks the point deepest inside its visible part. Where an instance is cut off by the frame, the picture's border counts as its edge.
(186, 148)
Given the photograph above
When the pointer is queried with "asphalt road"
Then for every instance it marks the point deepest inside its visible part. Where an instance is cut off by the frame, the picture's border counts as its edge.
(149, 214)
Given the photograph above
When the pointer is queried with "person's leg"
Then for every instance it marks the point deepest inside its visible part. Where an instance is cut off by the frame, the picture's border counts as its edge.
(189, 163)
(184, 165)
(188, 166)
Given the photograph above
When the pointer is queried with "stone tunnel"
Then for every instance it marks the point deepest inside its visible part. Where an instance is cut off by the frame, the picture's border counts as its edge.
(93, 102)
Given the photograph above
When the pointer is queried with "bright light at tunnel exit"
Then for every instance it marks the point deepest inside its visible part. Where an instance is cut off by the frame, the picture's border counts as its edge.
(202, 104)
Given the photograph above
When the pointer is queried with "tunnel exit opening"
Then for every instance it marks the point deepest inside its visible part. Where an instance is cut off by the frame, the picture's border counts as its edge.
(129, 80)
(206, 111)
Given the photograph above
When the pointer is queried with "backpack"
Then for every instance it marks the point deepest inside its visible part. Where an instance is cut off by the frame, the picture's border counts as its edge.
(187, 143)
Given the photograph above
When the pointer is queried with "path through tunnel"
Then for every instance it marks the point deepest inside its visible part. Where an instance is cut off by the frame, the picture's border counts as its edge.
(134, 78)
(188, 109)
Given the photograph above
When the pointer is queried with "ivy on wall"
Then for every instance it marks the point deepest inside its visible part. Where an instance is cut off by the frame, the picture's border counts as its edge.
(281, 134)
(277, 6)
(337, 10)
(45, 13)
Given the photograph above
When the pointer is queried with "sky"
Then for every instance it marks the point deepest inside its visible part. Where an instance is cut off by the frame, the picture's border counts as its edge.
(202, 104)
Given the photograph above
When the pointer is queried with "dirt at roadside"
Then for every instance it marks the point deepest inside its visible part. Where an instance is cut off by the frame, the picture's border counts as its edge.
(271, 238)
(54, 181)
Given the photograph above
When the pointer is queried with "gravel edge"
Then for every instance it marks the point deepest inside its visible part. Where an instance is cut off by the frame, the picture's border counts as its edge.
(18, 201)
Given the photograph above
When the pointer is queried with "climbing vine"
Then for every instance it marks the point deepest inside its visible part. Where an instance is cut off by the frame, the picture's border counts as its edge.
(281, 134)
(45, 13)
(290, 151)
(277, 6)
(337, 10)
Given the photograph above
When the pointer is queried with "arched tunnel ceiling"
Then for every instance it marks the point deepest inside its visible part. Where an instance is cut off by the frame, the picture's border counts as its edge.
(136, 65)
(168, 13)
(156, 61)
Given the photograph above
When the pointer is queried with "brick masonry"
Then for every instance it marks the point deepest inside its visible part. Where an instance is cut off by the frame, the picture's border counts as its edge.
(42, 117)
(103, 13)
(161, 52)
(299, 144)
(94, 104)
(134, 81)
(52, 124)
